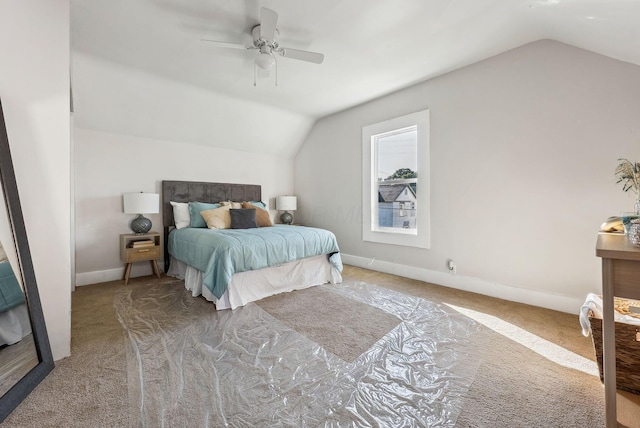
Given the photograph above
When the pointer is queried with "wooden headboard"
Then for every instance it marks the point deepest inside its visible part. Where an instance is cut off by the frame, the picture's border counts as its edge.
(188, 191)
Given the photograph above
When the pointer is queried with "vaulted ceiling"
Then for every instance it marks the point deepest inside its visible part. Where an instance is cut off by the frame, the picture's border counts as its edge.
(140, 67)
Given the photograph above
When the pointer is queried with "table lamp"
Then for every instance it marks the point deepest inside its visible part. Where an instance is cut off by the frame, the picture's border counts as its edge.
(286, 204)
(141, 203)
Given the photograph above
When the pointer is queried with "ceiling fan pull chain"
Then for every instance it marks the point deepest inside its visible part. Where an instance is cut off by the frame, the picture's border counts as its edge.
(276, 69)
(255, 73)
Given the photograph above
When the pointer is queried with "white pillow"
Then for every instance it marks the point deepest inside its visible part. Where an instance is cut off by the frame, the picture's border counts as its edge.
(181, 216)
(233, 205)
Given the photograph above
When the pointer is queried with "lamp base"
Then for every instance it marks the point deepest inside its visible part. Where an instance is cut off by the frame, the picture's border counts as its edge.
(140, 224)
(286, 218)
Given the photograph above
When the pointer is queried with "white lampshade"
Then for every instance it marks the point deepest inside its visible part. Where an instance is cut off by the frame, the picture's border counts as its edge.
(286, 203)
(141, 203)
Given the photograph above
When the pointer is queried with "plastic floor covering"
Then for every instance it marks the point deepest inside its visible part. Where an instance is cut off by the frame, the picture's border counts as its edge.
(190, 365)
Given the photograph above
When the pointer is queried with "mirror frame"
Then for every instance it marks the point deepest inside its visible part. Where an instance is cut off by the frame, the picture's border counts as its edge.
(14, 396)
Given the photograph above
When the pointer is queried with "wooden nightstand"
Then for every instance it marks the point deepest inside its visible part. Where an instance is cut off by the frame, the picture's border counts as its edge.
(140, 248)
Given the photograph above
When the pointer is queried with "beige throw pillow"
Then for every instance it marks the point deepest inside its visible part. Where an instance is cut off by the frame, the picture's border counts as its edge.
(262, 216)
(217, 218)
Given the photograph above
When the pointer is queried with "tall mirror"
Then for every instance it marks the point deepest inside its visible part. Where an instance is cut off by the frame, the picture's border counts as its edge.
(25, 354)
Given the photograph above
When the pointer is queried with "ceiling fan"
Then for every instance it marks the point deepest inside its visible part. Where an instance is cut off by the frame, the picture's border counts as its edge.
(266, 41)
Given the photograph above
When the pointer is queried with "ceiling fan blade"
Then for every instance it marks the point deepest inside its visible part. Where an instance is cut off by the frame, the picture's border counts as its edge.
(226, 44)
(313, 57)
(268, 21)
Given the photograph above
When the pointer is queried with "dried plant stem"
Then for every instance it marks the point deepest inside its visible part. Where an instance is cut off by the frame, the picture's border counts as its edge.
(628, 174)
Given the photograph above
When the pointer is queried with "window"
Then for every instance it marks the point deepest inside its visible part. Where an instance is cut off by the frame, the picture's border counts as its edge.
(396, 206)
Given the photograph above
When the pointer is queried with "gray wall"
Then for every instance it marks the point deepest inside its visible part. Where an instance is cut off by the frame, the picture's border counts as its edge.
(523, 151)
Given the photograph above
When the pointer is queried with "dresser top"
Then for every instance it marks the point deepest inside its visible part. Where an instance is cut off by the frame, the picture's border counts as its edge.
(616, 246)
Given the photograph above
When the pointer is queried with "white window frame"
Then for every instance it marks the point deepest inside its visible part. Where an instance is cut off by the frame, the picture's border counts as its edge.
(421, 237)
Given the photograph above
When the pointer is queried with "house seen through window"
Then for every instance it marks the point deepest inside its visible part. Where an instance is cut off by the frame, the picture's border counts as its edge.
(396, 166)
(396, 181)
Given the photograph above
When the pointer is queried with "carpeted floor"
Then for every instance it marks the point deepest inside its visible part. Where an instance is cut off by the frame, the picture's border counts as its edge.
(322, 316)
(520, 381)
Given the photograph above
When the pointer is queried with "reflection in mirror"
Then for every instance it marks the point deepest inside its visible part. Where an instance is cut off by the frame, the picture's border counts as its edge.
(17, 350)
(25, 354)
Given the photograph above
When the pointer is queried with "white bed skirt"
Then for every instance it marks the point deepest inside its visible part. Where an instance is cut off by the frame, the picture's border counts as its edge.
(14, 325)
(254, 285)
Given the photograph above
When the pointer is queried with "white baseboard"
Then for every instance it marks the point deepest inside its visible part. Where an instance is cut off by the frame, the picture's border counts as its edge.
(86, 278)
(96, 277)
(556, 302)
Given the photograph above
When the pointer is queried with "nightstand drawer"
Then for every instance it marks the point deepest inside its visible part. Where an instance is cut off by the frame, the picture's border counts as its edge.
(141, 254)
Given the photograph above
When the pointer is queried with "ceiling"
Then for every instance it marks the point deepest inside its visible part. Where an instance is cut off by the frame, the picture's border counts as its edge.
(371, 47)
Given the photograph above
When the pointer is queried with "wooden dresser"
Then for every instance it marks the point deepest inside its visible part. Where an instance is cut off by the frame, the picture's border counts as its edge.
(620, 278)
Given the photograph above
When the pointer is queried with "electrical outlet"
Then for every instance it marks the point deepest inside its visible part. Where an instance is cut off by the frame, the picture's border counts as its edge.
(451, 266)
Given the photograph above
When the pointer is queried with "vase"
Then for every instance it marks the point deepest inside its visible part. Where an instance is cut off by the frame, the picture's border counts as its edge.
(634, 232)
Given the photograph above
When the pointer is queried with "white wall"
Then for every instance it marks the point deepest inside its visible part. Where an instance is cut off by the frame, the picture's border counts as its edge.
(108, 165)
(34, 87)
(110, 97)
(523, 151)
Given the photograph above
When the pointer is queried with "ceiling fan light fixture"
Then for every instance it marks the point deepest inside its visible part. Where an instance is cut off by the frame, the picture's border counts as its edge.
(266, 36)
(265, 60)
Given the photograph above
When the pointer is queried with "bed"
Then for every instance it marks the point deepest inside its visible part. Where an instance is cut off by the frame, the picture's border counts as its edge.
(14, 316)
(232, 267)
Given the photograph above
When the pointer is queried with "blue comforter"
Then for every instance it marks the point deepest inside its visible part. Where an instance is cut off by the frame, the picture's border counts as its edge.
(221, 253)
(11, 294)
